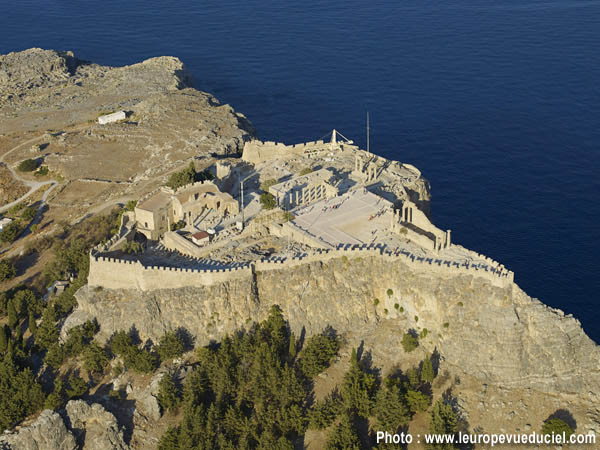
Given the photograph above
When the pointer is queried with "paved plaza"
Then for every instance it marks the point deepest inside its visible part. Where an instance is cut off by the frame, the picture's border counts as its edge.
(357, 217)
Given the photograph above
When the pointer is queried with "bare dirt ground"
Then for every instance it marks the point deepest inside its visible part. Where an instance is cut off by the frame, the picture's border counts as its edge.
(49, 105)
(10, 189)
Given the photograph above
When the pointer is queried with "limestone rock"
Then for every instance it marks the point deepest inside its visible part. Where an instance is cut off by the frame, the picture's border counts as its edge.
(48, 432)
(95, 428)
(146, 402)
(499, 335)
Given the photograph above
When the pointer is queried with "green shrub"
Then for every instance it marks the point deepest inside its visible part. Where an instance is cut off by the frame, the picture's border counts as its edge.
(424, 333)
(95, 358)
(187, 176)
(460, 304)
(130, 205)
(28, 213)
(414, 380)
(556, 426)
(55, 355)
(170, 346)
(317, 354)
(7, 270)
(80, 336)
(443, 419)
(265, 185)
(324, 412)
(11, 232)
(56, 399)
(132, 247)
(142, 361)
(390, 292)
(306, 171)
(267, 200)
(396, 306)
(169, 394)
(28, 165)
(77, 387)
(376, 302)
(446, 324)
(416, 318)
(417, 401)
(409, 342)
(178, 225)
(427, 372)
(20, 393)
(401, 309)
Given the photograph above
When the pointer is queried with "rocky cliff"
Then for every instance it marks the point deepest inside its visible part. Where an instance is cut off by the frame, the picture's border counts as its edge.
(79, 426)
(498, 335)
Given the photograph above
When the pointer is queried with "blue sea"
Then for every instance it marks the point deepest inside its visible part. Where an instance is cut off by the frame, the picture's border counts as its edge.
(497, 102)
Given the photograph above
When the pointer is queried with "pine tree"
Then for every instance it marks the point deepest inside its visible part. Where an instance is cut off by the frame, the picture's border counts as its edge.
(292, 350)
(170, 440)
(358, 388)
(3, 338)
(56, 399)
(13, 319)
(317, 354)
(443, 420)
(344, 436)
(20, 393)
(77, 387)
(32, 323)
(170, 346)
(276, 330)
(417, 401)
(169, 395)
(427, 373)
(55, 355)
(95, 358)
(47, 333)
(390, 409)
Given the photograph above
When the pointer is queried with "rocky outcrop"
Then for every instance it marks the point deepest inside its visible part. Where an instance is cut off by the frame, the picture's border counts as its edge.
(168, 124)
(498, 334)
(84, 426)
(94, 427)
(48, 432)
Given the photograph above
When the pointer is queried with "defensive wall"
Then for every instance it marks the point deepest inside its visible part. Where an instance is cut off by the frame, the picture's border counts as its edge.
(114, 273)
(257, 151)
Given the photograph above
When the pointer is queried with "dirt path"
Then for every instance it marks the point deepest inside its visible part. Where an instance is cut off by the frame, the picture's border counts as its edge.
(33, 185)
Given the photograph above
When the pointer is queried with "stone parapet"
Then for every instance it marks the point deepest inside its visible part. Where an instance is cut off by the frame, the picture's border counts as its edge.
(114, 273)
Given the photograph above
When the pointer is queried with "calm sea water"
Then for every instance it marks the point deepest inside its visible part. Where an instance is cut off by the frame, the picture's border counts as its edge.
(498, 103)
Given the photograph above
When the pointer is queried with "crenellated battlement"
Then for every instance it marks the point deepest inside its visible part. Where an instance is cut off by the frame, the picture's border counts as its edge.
(115, 273)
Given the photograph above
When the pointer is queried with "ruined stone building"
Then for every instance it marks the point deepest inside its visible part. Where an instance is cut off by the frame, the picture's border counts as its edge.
(155, 214)
(305, 189)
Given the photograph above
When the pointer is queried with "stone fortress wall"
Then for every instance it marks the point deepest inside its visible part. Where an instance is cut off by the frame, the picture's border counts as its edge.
(114, 273)
(257, 151)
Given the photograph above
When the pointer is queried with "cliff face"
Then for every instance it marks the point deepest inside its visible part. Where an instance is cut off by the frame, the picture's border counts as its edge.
(79, 426)
(497, 334)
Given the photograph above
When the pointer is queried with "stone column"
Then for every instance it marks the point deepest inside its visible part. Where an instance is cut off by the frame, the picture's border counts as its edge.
(448, 241)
